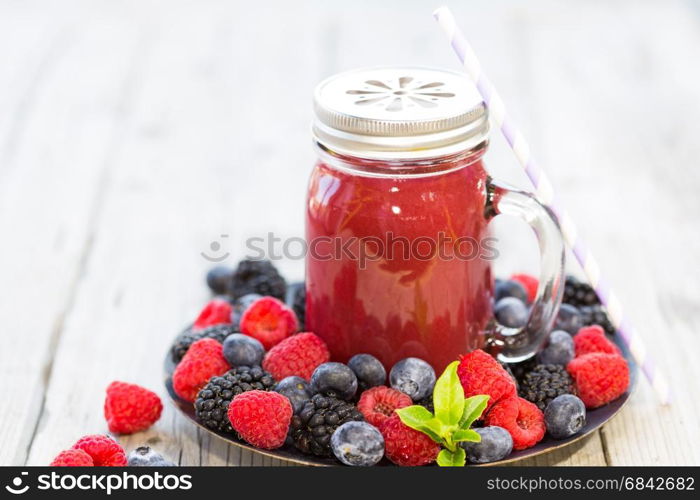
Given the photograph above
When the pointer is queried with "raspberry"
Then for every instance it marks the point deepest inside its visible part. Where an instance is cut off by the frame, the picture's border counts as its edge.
(592, 339)
(131, 408)
(72, 458)
(216, 312)
(378, 404)
(268, 320)
(261, 418)
(405, 446)
(203, 360)
(104, 451)
(481, 374)
(529, 282)
(522, 419)
(599, 377)
(296, 355)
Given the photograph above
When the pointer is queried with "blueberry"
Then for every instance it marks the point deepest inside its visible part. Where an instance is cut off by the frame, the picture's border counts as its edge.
(564, 416)
(369, 370)
(334, 379)
(559, 350)
(239, 307)
(568, 319)
(414, 377)
(511, 312)
(218, 279)
(509, 288)
(144, 456)
(496, 444)
(296, 389)
(358, 443)
(242, 350)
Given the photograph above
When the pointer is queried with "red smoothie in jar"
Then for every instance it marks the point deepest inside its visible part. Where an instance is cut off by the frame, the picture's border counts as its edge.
(409, 294)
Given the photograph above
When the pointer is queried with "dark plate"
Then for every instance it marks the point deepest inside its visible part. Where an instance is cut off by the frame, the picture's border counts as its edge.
(595, 419)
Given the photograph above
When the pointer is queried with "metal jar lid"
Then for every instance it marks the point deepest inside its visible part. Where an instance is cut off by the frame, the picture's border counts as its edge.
(395, 113)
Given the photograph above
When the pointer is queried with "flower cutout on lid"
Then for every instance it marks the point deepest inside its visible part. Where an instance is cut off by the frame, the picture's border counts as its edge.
(408, 93)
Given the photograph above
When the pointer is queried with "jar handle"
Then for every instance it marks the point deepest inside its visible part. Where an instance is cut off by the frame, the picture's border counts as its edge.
(517, 344)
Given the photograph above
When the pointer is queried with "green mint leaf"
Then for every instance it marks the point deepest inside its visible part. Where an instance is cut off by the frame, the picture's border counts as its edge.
(466, 435)
(419, 418)
(473, 408)
(447, 458)
(448, 396)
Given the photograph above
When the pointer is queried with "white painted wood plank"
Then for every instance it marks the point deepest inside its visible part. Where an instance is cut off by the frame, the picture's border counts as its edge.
(623, 159)
(54, 150)
(183, 178)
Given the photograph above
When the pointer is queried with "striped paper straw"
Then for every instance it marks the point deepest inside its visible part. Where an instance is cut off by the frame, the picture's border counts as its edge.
(545, 193)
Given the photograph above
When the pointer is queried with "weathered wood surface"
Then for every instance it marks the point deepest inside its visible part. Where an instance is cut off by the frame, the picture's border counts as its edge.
(134, 134)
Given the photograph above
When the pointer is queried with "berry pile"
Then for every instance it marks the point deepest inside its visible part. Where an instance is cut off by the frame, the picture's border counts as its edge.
(256, 377)
(250, 373)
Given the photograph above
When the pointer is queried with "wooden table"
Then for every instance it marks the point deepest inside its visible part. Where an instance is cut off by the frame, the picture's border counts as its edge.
(134, 134)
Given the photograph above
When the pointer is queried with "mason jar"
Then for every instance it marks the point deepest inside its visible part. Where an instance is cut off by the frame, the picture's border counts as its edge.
(399, 260)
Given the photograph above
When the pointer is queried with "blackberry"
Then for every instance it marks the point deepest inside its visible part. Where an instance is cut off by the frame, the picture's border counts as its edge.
(311, 429)
(518, 370)
(596, 315)
(189, 337)
(211, 405)
(544, 383)
(578, 293)
(257, 276)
